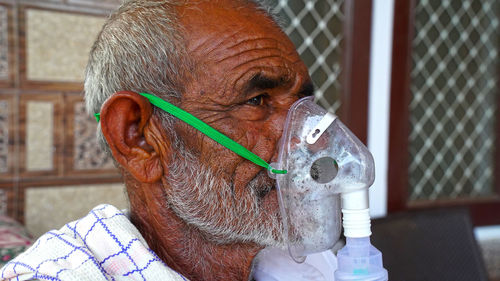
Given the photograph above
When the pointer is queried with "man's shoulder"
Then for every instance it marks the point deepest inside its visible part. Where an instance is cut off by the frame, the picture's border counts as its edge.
(103, 245)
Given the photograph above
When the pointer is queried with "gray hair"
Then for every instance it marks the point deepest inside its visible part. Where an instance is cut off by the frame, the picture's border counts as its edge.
(140, 48)
(134, 53)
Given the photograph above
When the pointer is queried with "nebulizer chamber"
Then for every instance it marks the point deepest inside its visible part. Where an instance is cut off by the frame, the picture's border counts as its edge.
(328, 170)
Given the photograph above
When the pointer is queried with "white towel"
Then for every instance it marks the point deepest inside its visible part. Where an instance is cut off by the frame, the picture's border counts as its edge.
(104, 245)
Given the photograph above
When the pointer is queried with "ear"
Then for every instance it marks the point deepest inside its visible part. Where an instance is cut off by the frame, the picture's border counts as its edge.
(125, 117)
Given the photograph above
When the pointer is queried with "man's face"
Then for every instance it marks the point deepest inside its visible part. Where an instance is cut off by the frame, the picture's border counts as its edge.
(248, 75)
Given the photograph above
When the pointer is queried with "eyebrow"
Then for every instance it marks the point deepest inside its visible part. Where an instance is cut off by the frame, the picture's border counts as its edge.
(261, 82)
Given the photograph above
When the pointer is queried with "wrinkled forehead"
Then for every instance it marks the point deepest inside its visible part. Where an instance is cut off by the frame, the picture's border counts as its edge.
(222, 24)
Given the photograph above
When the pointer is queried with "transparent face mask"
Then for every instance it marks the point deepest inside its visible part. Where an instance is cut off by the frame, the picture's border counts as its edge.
(319, 158)
(322, 159)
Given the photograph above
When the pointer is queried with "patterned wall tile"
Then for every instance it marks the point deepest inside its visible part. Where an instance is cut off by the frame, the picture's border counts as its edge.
(4, 136)
(39, 136)
(4, 43)
(3, 202)
(51, 207)
(87, 154)
(57, 44)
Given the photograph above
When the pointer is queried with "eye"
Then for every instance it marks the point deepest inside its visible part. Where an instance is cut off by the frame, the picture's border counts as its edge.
(256, 101)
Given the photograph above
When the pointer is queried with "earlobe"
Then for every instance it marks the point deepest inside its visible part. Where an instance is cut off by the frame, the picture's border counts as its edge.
(125, 118)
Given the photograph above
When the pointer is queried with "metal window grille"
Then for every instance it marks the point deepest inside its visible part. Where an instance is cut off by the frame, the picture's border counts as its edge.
(315, 27)
(454, 99)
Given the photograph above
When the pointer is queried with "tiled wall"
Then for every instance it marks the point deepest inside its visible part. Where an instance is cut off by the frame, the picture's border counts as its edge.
(49, 159)
(48, 206)
(64, 38)
(3, 42)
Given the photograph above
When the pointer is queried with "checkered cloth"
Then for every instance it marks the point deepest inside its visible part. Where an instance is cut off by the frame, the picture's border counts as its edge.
(104, 245)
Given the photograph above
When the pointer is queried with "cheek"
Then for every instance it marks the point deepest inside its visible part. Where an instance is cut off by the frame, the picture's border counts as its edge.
(259, 140)
(219, 158)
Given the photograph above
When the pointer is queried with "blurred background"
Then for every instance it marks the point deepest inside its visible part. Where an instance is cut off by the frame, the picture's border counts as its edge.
(417, 81)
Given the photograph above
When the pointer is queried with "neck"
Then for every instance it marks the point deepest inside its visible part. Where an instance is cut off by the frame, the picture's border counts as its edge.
(183, 247)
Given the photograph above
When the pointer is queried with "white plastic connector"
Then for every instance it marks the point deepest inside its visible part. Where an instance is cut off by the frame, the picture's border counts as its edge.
(356, 223)
(356, 214)
(355, 200)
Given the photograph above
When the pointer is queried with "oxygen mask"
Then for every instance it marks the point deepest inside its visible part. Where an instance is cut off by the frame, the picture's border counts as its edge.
(323, 159)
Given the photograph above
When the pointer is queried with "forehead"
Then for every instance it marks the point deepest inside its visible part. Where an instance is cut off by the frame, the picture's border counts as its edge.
(231, 44)
(225, 17)
(223, 29)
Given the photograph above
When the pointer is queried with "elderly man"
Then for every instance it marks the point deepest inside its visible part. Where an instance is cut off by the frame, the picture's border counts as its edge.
(202, 212)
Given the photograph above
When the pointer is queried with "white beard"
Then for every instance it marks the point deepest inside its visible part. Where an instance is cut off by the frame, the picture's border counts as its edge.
(205, 200)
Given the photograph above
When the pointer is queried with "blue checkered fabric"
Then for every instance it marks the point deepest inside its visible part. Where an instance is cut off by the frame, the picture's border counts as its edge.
(104, 245)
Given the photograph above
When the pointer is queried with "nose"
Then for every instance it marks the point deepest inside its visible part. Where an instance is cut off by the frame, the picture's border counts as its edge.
(278, 123)
(279, 115)
(277, 126)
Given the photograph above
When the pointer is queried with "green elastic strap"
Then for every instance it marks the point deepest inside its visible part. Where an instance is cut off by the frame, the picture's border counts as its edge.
(208, 131)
